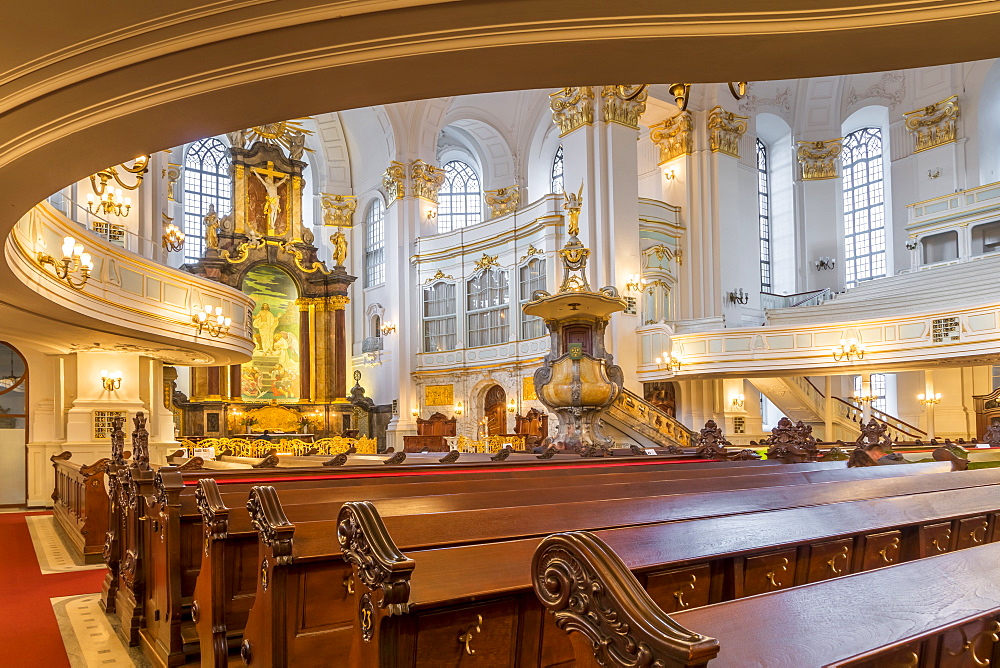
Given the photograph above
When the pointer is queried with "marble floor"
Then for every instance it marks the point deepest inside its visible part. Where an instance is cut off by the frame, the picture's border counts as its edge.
(89, 635)
(54, 555)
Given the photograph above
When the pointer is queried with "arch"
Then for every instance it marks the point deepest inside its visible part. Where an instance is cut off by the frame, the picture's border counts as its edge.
(14, 417)
(866, 224)
(558, 172)
(460, 199)
(776, 135)
(495, 410)
(273, 370)
(481, 138)
(207, 184)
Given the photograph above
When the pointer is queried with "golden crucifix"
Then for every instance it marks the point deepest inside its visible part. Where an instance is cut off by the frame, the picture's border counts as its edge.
(272, 202)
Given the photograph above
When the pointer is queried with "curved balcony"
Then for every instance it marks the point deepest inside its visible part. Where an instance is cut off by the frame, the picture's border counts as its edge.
(128, 302)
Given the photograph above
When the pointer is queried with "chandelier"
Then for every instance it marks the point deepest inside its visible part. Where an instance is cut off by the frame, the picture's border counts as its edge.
(173, 238)
(849, 349)
(111, 203)
(682, 92)
(114, 203)
(211, 320)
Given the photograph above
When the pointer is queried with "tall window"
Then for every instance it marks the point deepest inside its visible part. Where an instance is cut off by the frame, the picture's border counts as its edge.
(877, 390)
(532, 277)
(206, 183)
(656, 302)
(864, 206)
(764, 217)
(375, 244)
(558, 185)
(439, 317)
(487, 307)
(460, 200)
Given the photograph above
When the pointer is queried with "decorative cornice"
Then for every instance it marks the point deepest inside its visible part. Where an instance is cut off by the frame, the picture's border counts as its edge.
(486, 262)
(394, 181)
(674, 136)
(724, 131)
(572, 108)
(624, 104)
(934, 125)
(338, 210)
(503, 200)
(818, 160)
(426, 180)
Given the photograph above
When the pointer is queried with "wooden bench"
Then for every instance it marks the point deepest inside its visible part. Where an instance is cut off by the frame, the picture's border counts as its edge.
(299, 551)
(415, 606)
(165, 548)
(938, 611)
(80, 504)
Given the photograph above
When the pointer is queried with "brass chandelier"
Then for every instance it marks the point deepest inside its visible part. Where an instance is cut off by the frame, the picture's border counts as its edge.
(682, 92)
(106, 197)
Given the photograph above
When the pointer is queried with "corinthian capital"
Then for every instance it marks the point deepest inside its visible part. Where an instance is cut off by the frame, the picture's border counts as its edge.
(572, 108)
(426, 180)
(818, 159)
(338, 210)
(725, 130)
(624, 104)
(935, 124)
(394, 181)
(674, 136)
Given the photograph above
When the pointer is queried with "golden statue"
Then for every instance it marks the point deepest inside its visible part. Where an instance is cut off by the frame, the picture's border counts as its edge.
(339, 242)
(573, 204)
(212, 228)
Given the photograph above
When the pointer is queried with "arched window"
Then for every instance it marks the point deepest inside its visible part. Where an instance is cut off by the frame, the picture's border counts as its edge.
(864, 206)
(206, 184)
(764, 217)
(460, 200)
(532, 277)
(877, 390)
(375, 244)
(487, 299)
(557, 171)
(439, 317)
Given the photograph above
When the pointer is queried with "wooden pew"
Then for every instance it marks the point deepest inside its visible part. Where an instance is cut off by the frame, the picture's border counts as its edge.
(297, 551)
(172, 534)
(939, 611)
(414, 606)
(80, 504)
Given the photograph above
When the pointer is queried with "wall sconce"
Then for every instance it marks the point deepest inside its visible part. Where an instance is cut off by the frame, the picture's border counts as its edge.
(431, 215)
(929, 400)
(173, 238)
(511, 406)
(825, 263)
(634, 284)
(911, 244)
(415, 412)
(934, 173)
(849, 349)
(211, 321)
(458, 408)
(863, 398)
(739, 297)
(73, 260)
(388, 328)
(111, 380)
(671, 361)
(739, 403)
(669, 174)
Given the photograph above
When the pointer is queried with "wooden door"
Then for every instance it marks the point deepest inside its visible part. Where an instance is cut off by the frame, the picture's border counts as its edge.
(581, 334)
(495, 411)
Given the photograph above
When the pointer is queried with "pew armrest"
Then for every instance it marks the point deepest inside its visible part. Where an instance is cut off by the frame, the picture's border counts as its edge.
(268, 518)
(380, 565)
(214, 513)
(589, 589)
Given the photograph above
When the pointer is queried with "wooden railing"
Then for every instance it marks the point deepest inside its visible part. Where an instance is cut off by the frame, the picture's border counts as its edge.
(649, 421)
(80, 504)
(903, 430)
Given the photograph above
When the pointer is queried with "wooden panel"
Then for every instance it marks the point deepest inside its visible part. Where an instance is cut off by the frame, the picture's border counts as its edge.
(881, 549)
(557, 650)
(768, 572)
(322, 598)
(907, 656)
(680, 588)
(935, 539)
(970, 645)
(491, 630)
(972, 531)
(830, 559)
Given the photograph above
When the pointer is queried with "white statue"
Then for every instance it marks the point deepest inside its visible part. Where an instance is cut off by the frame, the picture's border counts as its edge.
(272, 202)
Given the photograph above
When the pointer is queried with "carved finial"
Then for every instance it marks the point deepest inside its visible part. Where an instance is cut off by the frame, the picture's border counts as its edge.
(140, 442)
(268, 518)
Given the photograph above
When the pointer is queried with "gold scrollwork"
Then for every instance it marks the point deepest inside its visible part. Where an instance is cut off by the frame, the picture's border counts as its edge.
(771, 576)
(884, 552)
(394, 181)
(466, 638)
(297, 255)
(440, 275)
(503, 200)
(338, 210)
(531, 251)
(832, 561)
(426, 180)
(439, 395)
(818, 159)
(486, 262)
(972, 534)
(674, 136)
(624, 104)
(572, 108)
(243, 250)
(935, 124)
(724, 131)
(969, 645)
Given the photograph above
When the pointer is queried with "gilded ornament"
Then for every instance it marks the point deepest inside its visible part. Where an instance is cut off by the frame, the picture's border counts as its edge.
(172, 174)
(624, 104)
(573, 204)
(934, 125)
(439, 395)
(212, 228)
(338, 210)
(298, 255)
(572, 108)
(339, 242)
(674, 136)
(725, 130)
(339, 302)
(531, 251)
(503, 200)
(272, 200)
(394, 181)
(528, 389)
(486, 262)
(290, 135)
(426, 180)
(440, 275)
(819, 159)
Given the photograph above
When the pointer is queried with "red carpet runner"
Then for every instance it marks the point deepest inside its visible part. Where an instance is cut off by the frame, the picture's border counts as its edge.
(29, 634)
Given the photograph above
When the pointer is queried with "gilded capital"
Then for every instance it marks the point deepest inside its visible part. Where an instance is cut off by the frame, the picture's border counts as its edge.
(338, 210)
(725, 130)
(394, 181)
(503, 200)
(338, 302)
(624, 104)
(935, 124)
(674, 136)
(426, 180)
(572, 108)
(818, 160)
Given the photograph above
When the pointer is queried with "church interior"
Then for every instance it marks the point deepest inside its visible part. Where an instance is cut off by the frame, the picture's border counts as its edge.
(316, 301)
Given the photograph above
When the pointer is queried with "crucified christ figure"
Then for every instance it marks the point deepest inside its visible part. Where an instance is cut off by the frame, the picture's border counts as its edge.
(272, 202)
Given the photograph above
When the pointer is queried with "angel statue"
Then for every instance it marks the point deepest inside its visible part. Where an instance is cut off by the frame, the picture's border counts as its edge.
(339, 242)
(573, 204)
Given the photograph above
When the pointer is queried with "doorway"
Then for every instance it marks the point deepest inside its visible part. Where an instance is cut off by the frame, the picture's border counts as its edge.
(495, 411)
(13, 427)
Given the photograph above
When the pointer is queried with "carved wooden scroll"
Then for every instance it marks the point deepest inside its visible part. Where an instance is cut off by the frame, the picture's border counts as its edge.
(502, 455)
(588, 589)
(214, 513)
(193, 464)
(451, 457)
(268, 518)
(397, 458)
(100, 466)
(636, 450)
(63, 456)
(379, 564)
(745, 455)
(548, 454)
(339, 460)
(269, 461)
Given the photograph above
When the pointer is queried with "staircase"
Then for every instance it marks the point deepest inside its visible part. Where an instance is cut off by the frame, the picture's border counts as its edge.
(632, 419)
